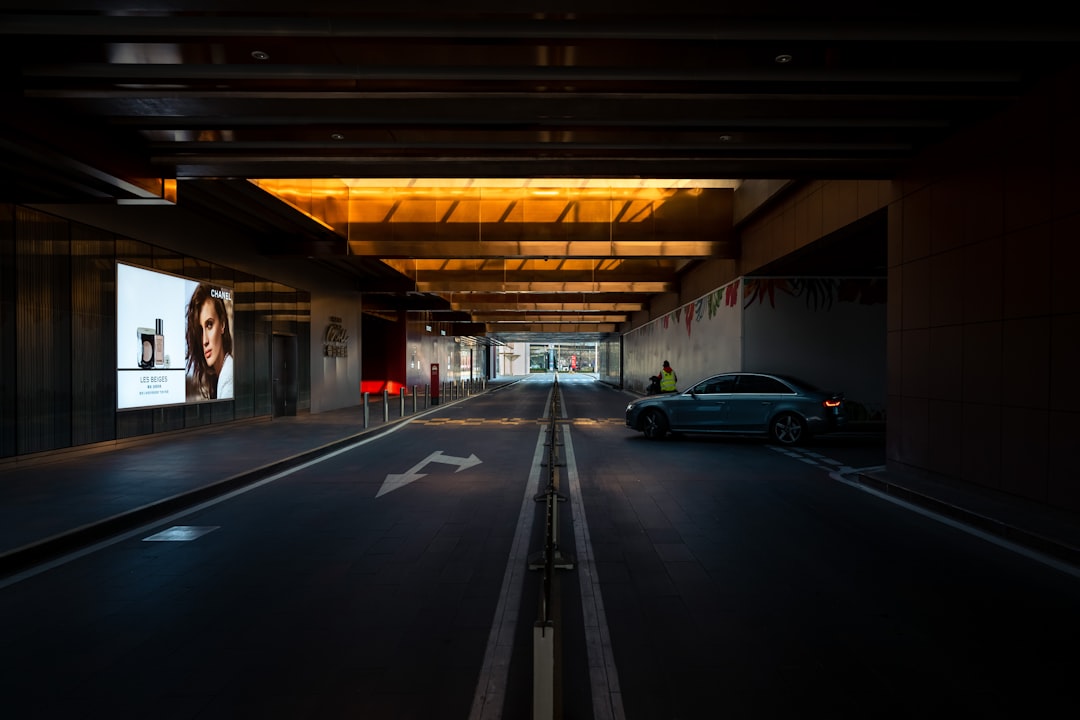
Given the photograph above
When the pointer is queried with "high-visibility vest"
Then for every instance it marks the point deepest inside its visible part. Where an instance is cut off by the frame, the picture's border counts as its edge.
(667, 381)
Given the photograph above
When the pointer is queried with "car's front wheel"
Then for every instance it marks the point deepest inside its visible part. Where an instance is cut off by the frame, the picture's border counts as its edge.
(654, 424)
(788, 429)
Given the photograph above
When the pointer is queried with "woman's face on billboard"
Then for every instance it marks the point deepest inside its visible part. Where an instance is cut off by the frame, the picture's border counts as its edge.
(211, 327)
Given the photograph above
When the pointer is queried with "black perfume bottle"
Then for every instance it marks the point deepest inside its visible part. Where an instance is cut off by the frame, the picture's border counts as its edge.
(146, 344)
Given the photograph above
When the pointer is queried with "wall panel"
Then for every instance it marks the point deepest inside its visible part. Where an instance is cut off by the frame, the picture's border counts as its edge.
(8, 368)
(93, 327)
(42, 332)
(58, 317)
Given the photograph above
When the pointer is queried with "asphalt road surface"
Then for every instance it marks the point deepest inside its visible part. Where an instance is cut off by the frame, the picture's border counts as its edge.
(708, 578)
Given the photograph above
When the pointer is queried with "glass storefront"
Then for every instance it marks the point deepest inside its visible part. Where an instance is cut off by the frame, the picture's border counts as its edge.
(568, 357)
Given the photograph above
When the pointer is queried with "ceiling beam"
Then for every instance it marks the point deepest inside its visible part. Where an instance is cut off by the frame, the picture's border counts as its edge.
(599, 25)
(433, 247)
(443, 286)
(515, 318)
(597, 306)
(167, 73)
(500, 328)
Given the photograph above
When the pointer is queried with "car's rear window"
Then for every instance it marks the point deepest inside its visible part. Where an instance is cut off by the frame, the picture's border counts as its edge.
(799, 383)
(760, 384)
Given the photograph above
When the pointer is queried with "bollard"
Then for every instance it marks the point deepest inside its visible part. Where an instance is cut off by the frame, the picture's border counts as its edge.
(414, 399)
(427, 396)
(385, 405)
(401, 396)
(543, 671)
(367, 412)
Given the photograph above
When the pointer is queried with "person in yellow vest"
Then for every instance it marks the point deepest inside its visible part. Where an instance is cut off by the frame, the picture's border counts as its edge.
(668, 379)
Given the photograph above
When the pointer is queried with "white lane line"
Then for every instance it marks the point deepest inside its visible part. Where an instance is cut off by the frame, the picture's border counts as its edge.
(603, 676)
(490, 692)
(990, 538)
(90, 549)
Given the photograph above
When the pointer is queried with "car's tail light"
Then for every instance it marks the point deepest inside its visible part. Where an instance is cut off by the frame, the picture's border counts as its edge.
(833, 403)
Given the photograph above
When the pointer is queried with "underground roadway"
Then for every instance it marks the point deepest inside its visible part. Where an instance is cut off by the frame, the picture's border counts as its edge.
(311, 567)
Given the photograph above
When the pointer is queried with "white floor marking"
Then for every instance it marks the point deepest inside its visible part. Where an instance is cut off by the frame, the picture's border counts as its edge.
(491, 685)
(181, 533)
(394, 481)
(603, 676)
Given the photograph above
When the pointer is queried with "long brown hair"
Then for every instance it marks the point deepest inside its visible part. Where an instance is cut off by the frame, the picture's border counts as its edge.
(203, 378)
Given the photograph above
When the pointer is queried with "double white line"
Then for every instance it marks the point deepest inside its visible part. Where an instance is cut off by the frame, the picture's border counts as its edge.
(603, 678)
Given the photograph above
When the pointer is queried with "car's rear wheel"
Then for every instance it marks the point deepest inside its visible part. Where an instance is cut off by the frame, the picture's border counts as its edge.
(788, 429)
(654, 424)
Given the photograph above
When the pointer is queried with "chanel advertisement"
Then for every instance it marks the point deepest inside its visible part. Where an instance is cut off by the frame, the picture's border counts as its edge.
(174, 341)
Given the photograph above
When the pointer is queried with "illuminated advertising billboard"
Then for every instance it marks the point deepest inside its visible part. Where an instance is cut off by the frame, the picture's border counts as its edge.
(174, 340)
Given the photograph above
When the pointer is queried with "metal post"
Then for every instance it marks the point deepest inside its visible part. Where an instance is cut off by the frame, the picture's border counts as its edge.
(414, 399)
(543, 671)
(385, 405)
(427, 396)
(367, 412)
(401, 396)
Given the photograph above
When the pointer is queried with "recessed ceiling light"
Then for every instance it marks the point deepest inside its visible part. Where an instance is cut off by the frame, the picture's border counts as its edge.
(260, 55)
(783, 58)
(337, 136)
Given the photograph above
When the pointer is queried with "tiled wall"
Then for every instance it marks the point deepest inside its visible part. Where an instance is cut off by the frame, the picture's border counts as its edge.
(809, 213)
(983, 311)
(984, 316)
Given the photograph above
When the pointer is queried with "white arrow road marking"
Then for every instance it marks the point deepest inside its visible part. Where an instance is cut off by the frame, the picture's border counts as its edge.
(393, 481)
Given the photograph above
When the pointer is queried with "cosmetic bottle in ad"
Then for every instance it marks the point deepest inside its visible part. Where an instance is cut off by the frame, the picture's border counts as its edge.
(146, 345)
(159, 344)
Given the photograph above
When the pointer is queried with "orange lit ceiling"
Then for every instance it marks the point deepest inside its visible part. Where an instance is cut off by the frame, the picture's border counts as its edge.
(109, 101)
(526, 256)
